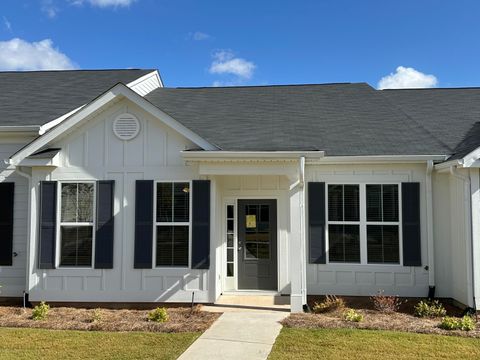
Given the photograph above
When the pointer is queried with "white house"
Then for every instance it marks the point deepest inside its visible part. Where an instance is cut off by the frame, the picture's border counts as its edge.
(117, 189)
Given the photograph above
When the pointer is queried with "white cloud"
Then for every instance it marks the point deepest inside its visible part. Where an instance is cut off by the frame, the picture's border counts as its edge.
(18, 54)
(407, 77)
(8, 24)
(225, 62)
(199, 36)
(49, 8)
(105, 3)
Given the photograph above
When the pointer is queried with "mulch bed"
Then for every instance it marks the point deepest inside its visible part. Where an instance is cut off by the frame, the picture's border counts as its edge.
(66, 318)
(403, 320)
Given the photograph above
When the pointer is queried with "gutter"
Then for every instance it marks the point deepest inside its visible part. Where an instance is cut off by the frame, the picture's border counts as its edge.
(249, 155)
(468, 231)
(430, 242)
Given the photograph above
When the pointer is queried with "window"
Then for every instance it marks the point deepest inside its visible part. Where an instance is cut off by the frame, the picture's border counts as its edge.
(344, 223)
(363, 223)
(230, 240)
(383, 245)
(172, 223)
(76, 224)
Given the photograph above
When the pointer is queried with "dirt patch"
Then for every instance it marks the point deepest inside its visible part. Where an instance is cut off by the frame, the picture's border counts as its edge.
(374, 320)
(66, 318)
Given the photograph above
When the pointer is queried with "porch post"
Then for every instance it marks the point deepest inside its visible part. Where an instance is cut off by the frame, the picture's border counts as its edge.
(296, 251)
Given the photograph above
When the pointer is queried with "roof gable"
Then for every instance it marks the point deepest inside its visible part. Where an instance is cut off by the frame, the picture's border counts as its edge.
(117, 92)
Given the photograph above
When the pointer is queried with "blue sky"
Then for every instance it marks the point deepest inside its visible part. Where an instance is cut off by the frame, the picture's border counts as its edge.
(207, 42)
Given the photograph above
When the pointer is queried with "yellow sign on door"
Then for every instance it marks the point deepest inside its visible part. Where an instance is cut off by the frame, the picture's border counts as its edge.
(251, 221)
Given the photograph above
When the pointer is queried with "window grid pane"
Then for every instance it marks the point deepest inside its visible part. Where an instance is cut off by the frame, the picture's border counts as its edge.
(172, 245)
(164, 202)
(76, 246)
(181, 202)
(344, 243)
(383, 244)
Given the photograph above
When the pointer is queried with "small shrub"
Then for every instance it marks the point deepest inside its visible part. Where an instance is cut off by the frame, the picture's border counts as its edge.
(96, 316)
(352, 315)
(40, 311)
(429, 309)
(330, 303)
(465, 323)
(386, 303)
(158, 315)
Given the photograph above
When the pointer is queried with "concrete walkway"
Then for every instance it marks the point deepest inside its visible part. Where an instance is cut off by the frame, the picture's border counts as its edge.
(240, 334)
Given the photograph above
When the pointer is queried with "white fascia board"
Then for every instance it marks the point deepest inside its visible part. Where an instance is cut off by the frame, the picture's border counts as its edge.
(134, 85)
(249, 155)
(377, 159)
(475, 164)
(119, 90)
(51, 124)
(471, 158)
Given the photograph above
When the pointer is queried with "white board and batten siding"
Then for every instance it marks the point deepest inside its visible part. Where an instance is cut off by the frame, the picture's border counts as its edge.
(368, 279)
(12, 278)
(93, 152)
(452, 226)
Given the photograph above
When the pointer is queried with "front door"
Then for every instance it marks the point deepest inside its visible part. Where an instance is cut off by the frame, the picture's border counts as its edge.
(257, 244)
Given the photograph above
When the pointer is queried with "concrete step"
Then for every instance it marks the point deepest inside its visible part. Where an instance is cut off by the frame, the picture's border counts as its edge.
(255, 301)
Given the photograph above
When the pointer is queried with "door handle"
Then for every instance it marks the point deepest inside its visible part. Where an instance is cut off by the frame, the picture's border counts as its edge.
(239, 246)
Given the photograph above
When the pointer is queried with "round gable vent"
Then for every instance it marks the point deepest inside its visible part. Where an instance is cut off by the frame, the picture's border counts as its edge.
(126, 126)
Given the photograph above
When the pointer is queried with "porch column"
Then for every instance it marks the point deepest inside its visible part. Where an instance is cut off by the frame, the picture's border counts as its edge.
(297, 250)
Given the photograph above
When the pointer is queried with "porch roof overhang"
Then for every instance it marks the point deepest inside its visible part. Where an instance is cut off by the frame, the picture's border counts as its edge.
(249, 162)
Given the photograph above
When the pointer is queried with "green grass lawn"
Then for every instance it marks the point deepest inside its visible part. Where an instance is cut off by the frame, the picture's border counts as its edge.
(40, 344)
(369, 344)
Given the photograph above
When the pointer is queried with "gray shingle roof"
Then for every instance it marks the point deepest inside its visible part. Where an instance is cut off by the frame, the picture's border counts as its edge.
(450, 115)
(341, 119)
(37, 97)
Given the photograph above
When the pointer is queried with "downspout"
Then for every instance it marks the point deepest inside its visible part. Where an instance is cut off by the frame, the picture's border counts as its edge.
(303, 242)
(468, 229)
(430, 241)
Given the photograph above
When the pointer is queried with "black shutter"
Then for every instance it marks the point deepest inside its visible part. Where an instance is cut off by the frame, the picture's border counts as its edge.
(412, 249)
(143, 224)
(316, 223)
(201, 224)
(48, 224)
(104, 231)
(6, 223)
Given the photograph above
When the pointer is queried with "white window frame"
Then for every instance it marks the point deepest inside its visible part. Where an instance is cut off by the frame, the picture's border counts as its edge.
(234, 233)
(363, 223)
(155, 224)
(60, 223)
